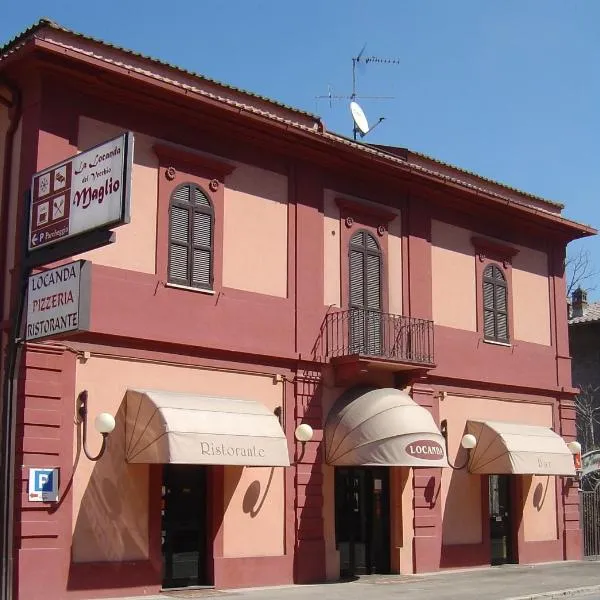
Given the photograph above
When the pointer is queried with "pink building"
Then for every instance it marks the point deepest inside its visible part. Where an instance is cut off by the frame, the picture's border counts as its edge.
(275, 274)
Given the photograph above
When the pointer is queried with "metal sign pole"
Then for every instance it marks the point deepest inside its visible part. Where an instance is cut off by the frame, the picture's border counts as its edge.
(9, 415)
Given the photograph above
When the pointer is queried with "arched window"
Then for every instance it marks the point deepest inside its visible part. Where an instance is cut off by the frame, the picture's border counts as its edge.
(495, 304)
(191, 226)
(365, 293)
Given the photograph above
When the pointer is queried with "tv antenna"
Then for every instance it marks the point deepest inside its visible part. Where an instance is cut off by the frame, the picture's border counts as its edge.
(360, 122)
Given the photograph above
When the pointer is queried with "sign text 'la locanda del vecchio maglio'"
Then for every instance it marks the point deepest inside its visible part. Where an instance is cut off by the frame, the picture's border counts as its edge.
(85, 192)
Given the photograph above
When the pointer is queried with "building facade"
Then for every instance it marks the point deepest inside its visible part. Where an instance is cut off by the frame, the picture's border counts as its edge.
(274, 274)
(584, 341)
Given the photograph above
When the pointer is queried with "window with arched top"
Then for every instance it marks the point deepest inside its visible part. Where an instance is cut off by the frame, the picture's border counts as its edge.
(191, 232)
(365, 266)
(495, 304)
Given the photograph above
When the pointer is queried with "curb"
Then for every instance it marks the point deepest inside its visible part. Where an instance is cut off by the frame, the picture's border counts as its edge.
(568, 593)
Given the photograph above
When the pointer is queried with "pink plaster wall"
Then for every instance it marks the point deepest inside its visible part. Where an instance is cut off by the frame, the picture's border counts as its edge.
(531, 296)
(453, 277)
(135, 248)
(331, 251)
(110, 497)
(4, 124)
(334, 254)
(255, 231)
(401, 519)
(461, 491)
(254, 522)
(394, 266)
(539, 510)
(332, 556)
(254, 500)
(12, 214)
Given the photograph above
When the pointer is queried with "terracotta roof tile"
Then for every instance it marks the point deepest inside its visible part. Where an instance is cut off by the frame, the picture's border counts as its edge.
(590, 315)
(13, 44)
(316, 129)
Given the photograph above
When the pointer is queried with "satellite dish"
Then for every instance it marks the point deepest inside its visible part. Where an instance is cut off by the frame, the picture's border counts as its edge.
(360, 120)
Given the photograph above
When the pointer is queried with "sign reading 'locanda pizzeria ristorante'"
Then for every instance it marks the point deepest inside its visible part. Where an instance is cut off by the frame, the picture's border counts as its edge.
(85, 192)
(58, 301)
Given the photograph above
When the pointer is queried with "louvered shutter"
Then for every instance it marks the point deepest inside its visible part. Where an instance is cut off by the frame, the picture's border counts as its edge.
(373, 286)
(365, 294)
(179, 246)
(373, 282)
(488, 310)
(495, 304)
(357, 279)
(501, 314)
(190, 237)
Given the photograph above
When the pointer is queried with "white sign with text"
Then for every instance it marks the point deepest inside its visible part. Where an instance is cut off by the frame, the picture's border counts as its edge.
(57, 302)
(88, 191)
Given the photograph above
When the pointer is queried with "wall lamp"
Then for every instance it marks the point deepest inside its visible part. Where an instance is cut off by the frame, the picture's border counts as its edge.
(304, 433)
(468, 442)
(575, 449)
(104, 424)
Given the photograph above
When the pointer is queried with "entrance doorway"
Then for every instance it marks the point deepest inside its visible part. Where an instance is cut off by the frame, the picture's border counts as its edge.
(184, 528)
(362, 519)
(501, 530)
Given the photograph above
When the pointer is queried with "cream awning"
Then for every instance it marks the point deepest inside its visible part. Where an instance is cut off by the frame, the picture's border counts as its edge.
(169, 427)
(519, 449)
(382, 426)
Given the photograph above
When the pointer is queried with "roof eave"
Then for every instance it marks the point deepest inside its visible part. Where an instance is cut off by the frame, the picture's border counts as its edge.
(313, 136)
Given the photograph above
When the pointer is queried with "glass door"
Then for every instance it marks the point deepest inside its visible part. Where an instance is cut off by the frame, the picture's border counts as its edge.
(362, 520)
(184, 526)
(500, 519)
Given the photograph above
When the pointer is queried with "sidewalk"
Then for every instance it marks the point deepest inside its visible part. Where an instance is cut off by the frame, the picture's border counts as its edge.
(549, 580)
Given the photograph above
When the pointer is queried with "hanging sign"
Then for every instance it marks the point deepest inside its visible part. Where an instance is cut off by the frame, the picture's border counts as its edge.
(58, 301)
(88, 191)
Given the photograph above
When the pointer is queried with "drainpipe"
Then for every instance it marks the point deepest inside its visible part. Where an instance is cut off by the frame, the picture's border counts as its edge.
(8, 413)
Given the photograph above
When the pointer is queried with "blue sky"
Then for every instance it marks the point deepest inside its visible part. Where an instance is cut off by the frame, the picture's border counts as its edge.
(509, 89)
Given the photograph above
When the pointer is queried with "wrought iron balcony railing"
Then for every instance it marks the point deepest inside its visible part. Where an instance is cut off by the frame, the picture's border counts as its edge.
(372, 333)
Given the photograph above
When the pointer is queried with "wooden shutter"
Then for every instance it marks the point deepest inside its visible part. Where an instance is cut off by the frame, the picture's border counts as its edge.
(191, 222)
(365, 294)
(495, 304)
(179, 244)
(201, 270)
(373, 283)
(357, 279)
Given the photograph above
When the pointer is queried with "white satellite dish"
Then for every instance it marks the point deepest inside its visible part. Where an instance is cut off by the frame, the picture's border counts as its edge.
(360, 120)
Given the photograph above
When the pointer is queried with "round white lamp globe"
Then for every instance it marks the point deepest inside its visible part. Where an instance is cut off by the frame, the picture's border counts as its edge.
(104, 423)
(304, 432)
(468, 441)
(574, 447)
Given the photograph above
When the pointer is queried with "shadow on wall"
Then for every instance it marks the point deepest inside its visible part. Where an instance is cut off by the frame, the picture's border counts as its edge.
(253, 502)
(110, 538)
(309, 557)
(539, 493)
(462, 523)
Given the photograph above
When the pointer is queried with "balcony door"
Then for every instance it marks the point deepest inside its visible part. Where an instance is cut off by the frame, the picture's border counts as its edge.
(365, 326)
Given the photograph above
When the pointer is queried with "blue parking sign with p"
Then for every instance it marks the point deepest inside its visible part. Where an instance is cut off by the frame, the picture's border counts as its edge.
(43, 480)
(43, 485)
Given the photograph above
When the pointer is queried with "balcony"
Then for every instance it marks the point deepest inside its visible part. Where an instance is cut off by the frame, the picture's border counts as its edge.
(359, 341)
